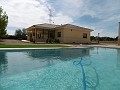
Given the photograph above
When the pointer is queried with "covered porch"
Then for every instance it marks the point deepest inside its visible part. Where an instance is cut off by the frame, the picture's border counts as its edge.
(40, 34)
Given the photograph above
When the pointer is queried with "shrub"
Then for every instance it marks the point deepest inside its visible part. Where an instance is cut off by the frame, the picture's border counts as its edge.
(52, 41)
(57, 41)
(49, 41)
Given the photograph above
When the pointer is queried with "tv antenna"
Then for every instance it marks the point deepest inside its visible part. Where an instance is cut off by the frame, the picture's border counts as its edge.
(49, 9)
(50, 14)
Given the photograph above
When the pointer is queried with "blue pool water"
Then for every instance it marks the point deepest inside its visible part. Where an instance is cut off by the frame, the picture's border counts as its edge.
(60, 69)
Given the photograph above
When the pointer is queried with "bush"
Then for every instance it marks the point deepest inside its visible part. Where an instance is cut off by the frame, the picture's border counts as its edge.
(49, 41)
(57, 41)
(52, 41)
(10, 37)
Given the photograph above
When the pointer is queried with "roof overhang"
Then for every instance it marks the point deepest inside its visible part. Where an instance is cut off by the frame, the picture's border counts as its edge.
(53, 27)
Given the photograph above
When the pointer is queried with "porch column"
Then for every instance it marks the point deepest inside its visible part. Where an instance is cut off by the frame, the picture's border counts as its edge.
(43, 34)
(28, 35)
(35, 33)
(32, 34)
(48, 34)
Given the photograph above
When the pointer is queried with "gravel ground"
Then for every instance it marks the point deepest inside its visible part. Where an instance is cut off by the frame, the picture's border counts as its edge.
(19, 42)
(13, 42)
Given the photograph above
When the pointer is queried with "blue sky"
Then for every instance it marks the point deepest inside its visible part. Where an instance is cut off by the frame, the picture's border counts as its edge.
(100, 15)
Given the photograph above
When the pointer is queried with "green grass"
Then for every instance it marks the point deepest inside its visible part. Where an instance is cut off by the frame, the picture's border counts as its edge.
(32, 46)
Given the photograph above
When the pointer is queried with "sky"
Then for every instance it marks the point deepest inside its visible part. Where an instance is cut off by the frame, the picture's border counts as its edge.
(100, 15)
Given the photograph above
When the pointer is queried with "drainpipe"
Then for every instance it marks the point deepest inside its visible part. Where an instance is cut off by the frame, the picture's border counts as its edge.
(119, 34)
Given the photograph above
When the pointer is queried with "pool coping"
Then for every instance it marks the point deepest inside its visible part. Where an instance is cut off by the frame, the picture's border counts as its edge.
(72, 46)
(42, 48)
(25, 48)
(102, 46)
(106, 46)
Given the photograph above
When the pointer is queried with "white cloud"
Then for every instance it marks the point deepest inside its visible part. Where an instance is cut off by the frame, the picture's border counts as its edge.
(62, 19)
(95, 8)
(24, 13)
(112, 18)
(75, 8)
(106, 11)
(10, 32)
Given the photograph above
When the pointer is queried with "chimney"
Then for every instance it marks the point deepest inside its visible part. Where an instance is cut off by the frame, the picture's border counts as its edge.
(119, 35)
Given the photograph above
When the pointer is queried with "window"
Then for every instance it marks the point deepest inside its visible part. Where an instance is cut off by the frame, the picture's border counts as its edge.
(59, 34)
(84, 35)
(39, 35)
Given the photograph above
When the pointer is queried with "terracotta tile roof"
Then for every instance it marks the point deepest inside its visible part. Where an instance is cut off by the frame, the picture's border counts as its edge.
(52, 26)
(45, 25)
(74, 26)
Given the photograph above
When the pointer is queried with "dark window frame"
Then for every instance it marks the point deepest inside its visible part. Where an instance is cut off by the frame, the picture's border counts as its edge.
(84, 35)
(58, 34)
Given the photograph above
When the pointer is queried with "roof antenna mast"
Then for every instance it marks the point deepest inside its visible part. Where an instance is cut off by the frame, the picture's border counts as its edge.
(50, 10)
(50, 14)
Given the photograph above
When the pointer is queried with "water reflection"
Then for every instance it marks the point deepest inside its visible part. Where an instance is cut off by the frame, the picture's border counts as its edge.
(118, 59)
(67, 54)
(3, 62)
(38, 58)
(94, 50)
(51, 57)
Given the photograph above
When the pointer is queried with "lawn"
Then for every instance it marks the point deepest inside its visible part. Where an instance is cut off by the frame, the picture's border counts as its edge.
(7, 43)
(32, 46)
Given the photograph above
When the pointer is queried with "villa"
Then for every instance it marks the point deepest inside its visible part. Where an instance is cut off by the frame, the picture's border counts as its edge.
(66, 33)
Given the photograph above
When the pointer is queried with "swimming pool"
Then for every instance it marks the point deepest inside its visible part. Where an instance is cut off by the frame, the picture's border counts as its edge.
(60, 69)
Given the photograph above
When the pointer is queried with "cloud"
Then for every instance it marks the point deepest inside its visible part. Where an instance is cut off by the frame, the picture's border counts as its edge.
(73, 8)
(100, 15)
(101, 9)
(62, 19)
(10, 31)
(24, 13)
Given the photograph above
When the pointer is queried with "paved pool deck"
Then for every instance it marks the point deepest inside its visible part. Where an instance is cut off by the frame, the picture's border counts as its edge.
(26, 48)
(71, 46)
(88, 46)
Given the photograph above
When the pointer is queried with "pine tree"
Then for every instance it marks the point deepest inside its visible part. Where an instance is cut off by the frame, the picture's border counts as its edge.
(3, 23)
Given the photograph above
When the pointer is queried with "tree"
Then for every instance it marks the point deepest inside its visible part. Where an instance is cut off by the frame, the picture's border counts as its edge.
(21, 34)
(24, 33)
(92, 38)
(3, 23)
(18, 34)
